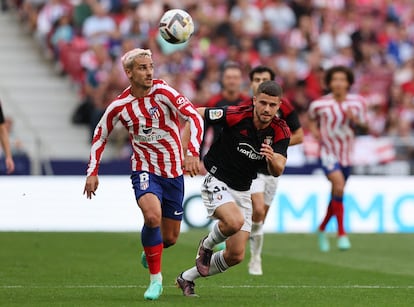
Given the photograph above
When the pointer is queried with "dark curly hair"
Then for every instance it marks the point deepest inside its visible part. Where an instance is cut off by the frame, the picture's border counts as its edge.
(334, 69)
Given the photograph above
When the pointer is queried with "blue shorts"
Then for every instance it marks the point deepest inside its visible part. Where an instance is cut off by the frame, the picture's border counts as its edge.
(170, 192)
(345, 170)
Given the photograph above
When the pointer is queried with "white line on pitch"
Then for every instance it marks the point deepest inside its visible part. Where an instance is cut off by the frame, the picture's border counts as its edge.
(201, 286)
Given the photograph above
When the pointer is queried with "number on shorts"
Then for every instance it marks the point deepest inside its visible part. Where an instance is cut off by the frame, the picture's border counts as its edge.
(143, 177)
(218, 189)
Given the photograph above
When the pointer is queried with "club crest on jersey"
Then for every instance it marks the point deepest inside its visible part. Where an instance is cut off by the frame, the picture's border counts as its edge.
(268, 140)
(154, 112)
(215, 114)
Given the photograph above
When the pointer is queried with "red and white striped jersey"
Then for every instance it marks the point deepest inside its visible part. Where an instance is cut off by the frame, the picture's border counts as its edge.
(154, 130)
(336, 131)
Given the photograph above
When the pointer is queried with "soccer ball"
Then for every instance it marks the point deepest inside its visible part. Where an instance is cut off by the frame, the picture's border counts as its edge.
(176, 26)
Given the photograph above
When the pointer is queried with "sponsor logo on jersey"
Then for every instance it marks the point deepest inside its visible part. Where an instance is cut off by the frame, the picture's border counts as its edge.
(147, 138)
(215, 114)
(148, 135)
(181, 100)
(147, 130)
(249, 151)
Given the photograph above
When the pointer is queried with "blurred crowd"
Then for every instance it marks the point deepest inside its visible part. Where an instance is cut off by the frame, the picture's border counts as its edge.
(299, 39)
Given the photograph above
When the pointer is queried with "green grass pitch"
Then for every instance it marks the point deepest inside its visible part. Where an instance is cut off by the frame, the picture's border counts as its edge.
(103, 269)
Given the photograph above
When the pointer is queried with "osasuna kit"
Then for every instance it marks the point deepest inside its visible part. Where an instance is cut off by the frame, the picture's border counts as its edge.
(235, 157)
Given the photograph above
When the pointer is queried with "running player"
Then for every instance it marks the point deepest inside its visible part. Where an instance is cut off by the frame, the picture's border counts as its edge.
(252, 138)
(264, 186)
(333, 118)
(150, 109)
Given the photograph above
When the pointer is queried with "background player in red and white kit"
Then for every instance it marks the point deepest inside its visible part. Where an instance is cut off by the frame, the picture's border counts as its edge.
(150, 110)
(5, 143)
(333, 118)
(252, 138)
(264, 186)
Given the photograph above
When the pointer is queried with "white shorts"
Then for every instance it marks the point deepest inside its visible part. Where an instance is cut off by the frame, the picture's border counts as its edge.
(216, 193)
(266, 184)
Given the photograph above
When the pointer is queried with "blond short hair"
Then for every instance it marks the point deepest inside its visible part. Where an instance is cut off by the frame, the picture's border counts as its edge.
(129, 57)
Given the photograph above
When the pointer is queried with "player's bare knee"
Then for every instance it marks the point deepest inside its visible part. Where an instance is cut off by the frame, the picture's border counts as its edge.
(235, 224)
(260, 215)
(152, 220)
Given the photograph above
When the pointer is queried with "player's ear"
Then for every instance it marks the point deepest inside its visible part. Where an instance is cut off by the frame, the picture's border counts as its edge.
(128, 72)
(254, 100)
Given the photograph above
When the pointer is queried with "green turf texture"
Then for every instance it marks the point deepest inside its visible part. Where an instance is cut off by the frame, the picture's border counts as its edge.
(103, 269)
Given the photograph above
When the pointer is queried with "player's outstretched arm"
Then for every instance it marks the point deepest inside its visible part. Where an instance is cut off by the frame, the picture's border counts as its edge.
(91, 186)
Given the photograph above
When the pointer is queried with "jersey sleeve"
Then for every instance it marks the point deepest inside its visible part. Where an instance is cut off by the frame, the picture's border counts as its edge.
(290, 115)
(281, 146)
(100, 137)
(215, 116)
(188, 112)
(281, 138)
(292, 120)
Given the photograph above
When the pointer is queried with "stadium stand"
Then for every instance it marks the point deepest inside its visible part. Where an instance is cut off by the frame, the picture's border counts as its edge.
(37, 99)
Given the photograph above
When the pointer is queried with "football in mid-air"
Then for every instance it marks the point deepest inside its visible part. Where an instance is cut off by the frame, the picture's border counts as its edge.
(176, 26)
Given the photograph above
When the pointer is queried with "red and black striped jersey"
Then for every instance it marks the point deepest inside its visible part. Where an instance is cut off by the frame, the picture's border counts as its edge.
(235, 157)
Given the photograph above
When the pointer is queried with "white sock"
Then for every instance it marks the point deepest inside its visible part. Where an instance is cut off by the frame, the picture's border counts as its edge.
(218, 263)
(214, 237)
(256, 240)
(157, 276)
(191, 274)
